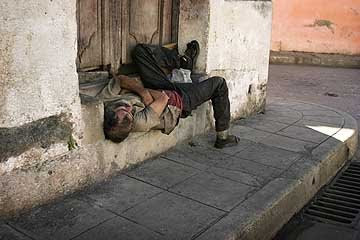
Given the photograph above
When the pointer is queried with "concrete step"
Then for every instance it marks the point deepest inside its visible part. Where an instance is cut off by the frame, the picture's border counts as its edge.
(195, 191)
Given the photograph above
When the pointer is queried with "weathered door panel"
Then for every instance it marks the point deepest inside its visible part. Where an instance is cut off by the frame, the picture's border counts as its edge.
(109, 29)
(89, 33)
(165, 23)
(145, 21)
(112, 33)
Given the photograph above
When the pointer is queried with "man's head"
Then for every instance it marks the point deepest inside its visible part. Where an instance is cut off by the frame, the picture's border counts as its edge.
(118, 122)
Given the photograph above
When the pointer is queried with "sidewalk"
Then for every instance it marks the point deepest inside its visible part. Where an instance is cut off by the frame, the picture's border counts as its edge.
(197, 192)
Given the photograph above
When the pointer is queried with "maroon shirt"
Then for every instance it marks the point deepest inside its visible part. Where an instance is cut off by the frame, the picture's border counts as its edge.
(174, 99)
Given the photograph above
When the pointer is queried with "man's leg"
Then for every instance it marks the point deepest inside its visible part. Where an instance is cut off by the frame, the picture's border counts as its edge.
(150, 59)
(214, 89)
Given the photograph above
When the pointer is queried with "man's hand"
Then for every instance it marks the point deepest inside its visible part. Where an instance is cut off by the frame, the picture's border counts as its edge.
(160, 101)
(146, 97)
(132, 84)
(165, 96)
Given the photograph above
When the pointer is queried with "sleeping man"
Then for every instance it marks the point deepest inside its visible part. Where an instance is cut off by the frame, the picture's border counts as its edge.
(157, 103)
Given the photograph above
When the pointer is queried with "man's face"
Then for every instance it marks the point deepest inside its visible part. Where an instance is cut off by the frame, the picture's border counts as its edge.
(123, 111)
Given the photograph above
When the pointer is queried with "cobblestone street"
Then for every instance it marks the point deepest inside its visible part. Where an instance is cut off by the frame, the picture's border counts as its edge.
(315, 84)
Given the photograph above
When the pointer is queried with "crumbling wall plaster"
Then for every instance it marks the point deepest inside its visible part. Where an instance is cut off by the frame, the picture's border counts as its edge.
(40, 112)
(238, 49)
(37, 57)
(194, 24)
(235, 39)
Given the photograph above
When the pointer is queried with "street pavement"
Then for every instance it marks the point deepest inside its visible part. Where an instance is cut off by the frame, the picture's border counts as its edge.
(197, 192)
(334, 87)
(315, 84)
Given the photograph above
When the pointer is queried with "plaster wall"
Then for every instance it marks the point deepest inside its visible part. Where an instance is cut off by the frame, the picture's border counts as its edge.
(319, 26)
(40, 111)
(37, 60)
(238, 50)
(194, 20)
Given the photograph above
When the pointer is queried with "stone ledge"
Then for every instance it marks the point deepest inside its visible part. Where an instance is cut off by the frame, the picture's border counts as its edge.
(318, 59)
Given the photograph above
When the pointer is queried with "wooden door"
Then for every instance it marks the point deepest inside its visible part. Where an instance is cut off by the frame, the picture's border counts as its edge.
(109, 29)
(147, 21)
(89, 33)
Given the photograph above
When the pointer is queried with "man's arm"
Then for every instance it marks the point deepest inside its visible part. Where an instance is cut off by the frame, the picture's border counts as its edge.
(134, 85)
(160, 101)
(149, 117)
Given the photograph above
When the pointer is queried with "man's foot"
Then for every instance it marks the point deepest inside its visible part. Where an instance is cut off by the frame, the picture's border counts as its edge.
(230, 141)
(192, 51)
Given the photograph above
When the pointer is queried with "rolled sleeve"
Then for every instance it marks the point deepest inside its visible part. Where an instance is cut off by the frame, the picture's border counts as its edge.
(145, 120)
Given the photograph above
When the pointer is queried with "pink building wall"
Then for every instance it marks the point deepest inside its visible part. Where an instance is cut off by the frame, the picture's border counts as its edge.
(320, 26)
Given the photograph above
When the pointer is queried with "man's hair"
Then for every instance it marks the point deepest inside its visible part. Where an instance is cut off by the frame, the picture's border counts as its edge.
(114, 129)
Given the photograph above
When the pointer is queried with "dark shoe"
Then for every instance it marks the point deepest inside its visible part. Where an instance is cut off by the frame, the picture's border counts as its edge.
(186, 63)
(229, 142)
(192, 51)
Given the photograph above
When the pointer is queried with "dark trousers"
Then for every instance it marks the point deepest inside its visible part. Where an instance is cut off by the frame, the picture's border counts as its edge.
(150, 59)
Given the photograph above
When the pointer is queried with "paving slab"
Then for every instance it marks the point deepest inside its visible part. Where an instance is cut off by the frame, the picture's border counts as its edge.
(322, 113)
(282, 112)
(61, 221)
(240, 176)
(174, 216)
(162, 173)
(308, 134)
(248, 133)
(8, 233)
(199, 152)
(264, 172)
(269, 156)
(119, 228)
(195, 191)
(120, 193)
(287, 143)
(263, 124)
(311, 123)
(325, 119)
(214, 190)
(278, 117)
(301, 106)
(262, 211)
(194, 155)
